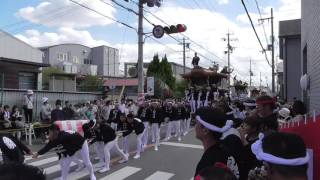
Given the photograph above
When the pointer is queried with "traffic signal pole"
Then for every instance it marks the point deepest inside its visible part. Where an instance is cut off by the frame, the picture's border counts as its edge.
(140, 50)
(184, 55)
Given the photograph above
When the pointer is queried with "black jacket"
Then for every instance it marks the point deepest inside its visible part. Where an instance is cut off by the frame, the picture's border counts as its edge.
(114, 116)
(105, 133)
(137, 126)
(179, 113)
(12, 148)
(169, 112)
(142, 114)
(57, 115)
(66, 143)
(125, 127)
(155, 115)
(216, 154)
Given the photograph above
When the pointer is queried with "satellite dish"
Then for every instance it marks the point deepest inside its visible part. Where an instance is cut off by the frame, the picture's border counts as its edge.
(133, 72)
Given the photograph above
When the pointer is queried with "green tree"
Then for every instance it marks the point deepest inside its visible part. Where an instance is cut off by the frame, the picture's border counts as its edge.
(91, 84)
(46, 74)
(166, 71)
(180, 87)
(153, 68)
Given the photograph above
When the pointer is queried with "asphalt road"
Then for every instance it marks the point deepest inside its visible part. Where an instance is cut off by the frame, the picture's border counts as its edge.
(174, 160)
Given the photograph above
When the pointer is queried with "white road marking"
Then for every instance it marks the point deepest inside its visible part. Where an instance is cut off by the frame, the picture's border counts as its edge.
(122, 173)
(160, 175)
(182, 145)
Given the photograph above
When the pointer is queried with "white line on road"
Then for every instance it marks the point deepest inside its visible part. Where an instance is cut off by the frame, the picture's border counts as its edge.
(160, 175)
(43, 161)
(122, 173)
(183, 145)
(56, 168)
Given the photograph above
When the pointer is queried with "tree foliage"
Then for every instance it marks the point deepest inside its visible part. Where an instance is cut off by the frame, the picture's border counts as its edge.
(46, 74)
(91, 84)
(161, 70)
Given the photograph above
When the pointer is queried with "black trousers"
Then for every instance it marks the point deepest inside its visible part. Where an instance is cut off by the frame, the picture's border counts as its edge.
(28, 115)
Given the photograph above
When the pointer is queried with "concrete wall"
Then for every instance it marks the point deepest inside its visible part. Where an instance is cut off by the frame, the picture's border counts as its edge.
(292, 68)
(311, 41)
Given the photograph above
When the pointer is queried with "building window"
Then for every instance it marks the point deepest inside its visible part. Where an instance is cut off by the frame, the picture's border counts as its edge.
(87, 61)
(62, 56)
(27, 80)
(75, 59)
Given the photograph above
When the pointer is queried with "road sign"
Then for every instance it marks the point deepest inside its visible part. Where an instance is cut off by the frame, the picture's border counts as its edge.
(158, 31)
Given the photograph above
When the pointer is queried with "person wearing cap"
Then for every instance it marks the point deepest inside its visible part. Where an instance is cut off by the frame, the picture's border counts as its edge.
(265, 110)
(68, 145)
(154, 114)
(45, 113)
(210, 124)
(28, 106)
(284, 115)
(57, 114)
(136, 125)
(284, 157)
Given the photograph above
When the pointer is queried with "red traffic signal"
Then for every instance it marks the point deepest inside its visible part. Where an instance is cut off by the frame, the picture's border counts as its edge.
(179, 28)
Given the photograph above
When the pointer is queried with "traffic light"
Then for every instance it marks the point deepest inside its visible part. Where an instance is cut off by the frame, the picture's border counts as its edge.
(179, 28)
(151, 3)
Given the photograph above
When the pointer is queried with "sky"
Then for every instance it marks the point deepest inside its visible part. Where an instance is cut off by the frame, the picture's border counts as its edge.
(49, 22)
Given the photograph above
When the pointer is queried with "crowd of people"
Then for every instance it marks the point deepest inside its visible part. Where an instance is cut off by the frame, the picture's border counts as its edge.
(241, 139)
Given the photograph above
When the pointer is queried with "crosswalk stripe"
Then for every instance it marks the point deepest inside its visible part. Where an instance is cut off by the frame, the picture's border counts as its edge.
(160, 175)
(122, 173)
(56, 168)
(43, 161)
(182, 145)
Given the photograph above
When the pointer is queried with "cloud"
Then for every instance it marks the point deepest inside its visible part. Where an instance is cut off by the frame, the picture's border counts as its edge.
(63, 35)
(223, 1)
(64, 13)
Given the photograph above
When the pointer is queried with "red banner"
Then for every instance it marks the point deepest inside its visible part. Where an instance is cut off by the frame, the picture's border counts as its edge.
(310, 132)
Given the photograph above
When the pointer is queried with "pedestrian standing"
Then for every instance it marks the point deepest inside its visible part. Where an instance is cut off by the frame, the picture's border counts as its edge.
(126, 130)
(154, 114)
(45, 113)
(169, 117)
(28, 106)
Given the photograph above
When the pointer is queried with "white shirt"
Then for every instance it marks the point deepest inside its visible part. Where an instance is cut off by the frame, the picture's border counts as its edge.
(28, 102)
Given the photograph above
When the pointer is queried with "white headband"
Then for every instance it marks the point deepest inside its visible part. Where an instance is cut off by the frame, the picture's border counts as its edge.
(256, 148)
(225, 128)
(250, 104)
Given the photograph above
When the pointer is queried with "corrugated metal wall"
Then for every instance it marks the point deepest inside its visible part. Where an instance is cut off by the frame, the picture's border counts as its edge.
(16, 97)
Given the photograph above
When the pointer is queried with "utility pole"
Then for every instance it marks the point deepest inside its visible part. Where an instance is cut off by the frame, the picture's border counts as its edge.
(184, 55)
(271, 48)
(250, 72)
(272, 44)
(228, 52)
(140, 50)
(184, 44)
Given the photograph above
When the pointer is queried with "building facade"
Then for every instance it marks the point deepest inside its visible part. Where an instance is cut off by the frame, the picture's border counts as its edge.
(83, 60)
(289, 46)
(20, 63)
(310, 54)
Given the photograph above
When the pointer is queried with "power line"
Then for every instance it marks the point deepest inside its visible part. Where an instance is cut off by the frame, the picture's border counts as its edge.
(264, 29)
(115, 20)
(254, 29)
(222, 61)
